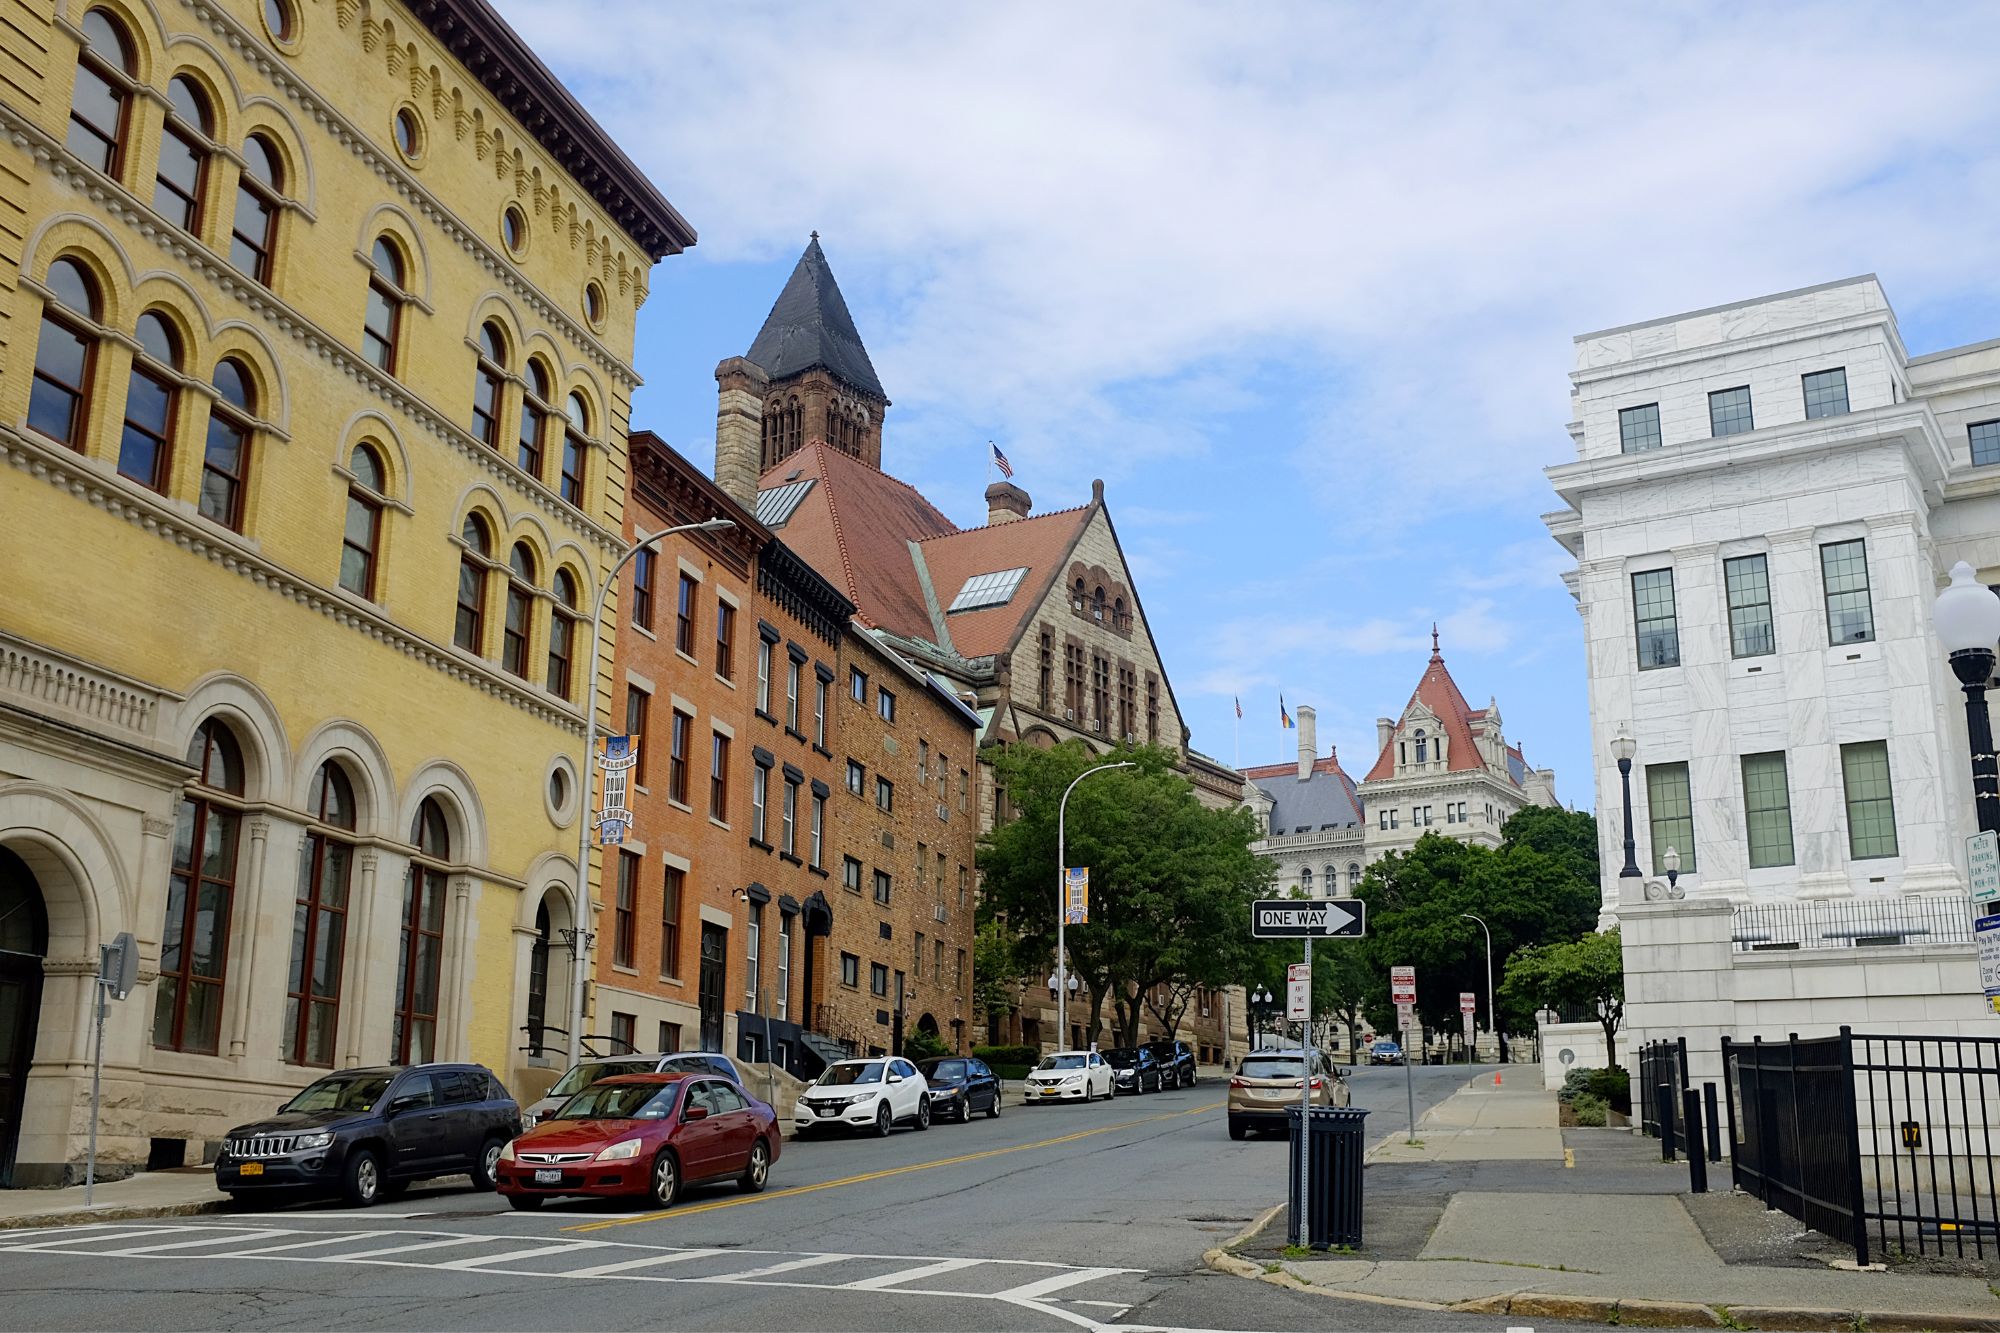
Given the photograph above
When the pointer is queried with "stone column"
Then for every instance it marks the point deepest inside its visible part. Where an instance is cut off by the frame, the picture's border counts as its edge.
(360, 953)
(454, 1042)
(249, 913)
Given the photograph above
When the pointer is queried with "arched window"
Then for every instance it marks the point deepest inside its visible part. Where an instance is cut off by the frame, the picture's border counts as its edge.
(59, 403)
(225, 462)
(319, 921)
(362, 534)
(1306, 880)
(382, 321)
(1077, 596)
(520, 608)
(194, 943)
(144, 448)
(1118, 617)
(486, 382)
(795, 424)
(253, 235)
(100, 104)
(469, 632)
(417, 961)
(562, 633)
(535, 414)
(185, 145)
(1423, 747)
(576, 443)
(1097, 604)
(1353, 874)
(538, 977)
(1331, 881)
(774, 427)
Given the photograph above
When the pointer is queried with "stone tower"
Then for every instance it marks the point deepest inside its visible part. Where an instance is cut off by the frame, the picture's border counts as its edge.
(806, 377)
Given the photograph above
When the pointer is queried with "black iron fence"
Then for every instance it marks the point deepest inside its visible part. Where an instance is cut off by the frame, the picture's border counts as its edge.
(1884, 1143)
(1658, 1094)
(1853, 923)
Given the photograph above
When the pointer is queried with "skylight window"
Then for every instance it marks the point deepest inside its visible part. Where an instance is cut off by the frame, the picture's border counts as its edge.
(776, 506)
(982, 589)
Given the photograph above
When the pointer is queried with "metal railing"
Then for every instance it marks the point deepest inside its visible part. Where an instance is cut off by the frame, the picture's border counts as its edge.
(1853, 923)
(1664, 1064)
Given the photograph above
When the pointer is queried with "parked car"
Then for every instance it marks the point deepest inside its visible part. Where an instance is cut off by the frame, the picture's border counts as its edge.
(586, 1072)
(363, 1133)
(1133, 1069)
(864, 1094)
(1386, 1053)
(1177, 1063)
(959, 1086)
(1267, 1084)
(643, 1134)
(1072, 1076)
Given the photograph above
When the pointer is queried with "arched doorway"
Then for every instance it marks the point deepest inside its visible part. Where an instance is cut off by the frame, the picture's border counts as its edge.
(538, 979)
(24, 939)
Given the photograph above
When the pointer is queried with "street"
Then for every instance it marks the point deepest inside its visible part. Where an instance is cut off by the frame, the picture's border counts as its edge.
(1047, 1218)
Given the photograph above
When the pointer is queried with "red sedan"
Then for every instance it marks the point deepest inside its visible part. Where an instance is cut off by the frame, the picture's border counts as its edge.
(646, 1134)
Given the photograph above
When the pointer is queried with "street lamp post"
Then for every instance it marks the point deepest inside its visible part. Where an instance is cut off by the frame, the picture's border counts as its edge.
(580, 934)
(1967, 617)
(1623, 747)
(1492, 1014)
(1062, 890)
(1260, 1008)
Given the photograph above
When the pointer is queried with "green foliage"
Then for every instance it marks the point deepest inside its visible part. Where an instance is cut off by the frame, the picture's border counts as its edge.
(1589, 1110)
(1568, 837)
(1587, 972)
(997, 966)
(1611, 1086)
(921, 1045)
(1007, 1055)
(1171, 880)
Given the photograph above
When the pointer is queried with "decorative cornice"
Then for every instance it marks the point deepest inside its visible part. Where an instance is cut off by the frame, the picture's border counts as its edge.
(72, 472)
(799, 588)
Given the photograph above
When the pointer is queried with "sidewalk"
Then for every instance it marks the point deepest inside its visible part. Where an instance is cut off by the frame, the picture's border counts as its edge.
(1496, 1210)
(148, 1194)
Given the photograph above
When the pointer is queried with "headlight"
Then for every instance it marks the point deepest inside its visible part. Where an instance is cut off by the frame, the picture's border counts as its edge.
(619, 1152)
(507, 1151)
(319, 1140)
(1074, 1078)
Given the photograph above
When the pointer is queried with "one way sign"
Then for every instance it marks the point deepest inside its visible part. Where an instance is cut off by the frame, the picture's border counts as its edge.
(1297, 918)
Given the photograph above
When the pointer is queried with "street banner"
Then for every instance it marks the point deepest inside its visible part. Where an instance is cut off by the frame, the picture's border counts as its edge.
(1403, 985)
(1986, 930)
(1982, 861)
(1076, 895)
(620, 754)
(1298, 992)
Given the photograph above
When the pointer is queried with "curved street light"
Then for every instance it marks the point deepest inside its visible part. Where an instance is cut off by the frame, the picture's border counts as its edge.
(1062, 876)
(1492, 1014)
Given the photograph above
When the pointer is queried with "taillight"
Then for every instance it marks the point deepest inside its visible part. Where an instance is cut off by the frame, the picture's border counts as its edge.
(1238, 1083)
(1319, 1082)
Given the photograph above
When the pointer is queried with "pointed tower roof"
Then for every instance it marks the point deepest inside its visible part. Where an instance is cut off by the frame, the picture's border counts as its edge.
(1438, 692)
(809, 326)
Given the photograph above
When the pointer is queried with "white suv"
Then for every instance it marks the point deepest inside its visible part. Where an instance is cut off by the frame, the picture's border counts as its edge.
(864, 1094)
(1070, 1076)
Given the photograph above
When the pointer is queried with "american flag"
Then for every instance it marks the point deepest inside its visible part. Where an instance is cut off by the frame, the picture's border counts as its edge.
(1000, 460)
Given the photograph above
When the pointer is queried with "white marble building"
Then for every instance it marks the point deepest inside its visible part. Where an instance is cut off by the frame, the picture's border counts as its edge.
(1764, 498)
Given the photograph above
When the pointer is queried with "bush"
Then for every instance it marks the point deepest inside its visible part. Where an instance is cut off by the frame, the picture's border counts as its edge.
(1014, 1072)
(1613, 1087)
(1575, 1083)
(919, 1045)
(1007, 1055)
(1589, 1110)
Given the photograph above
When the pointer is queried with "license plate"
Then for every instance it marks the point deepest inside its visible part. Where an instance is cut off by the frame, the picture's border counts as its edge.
(250, 1169)
(1049, 1092)
(827, 1110)
(548, 1177)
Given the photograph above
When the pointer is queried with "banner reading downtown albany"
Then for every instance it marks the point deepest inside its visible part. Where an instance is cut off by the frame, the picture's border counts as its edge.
(1076, 895)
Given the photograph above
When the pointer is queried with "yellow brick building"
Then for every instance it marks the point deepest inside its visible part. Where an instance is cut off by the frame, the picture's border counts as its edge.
(316, 322)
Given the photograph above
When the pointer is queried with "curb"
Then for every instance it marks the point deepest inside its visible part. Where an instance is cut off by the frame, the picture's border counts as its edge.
(1220, 1260)
(132, 1213)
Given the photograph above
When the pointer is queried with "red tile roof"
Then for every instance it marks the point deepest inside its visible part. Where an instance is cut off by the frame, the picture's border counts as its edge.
(1438, 692)
(1330, 764)
(1037, 544)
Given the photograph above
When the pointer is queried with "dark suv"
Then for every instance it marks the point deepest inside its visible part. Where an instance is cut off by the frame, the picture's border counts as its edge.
(364, 1133)
(1177, 1064)
(1134, 1070)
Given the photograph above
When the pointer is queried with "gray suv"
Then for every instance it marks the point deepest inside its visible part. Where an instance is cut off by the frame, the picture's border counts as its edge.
(361, 1134)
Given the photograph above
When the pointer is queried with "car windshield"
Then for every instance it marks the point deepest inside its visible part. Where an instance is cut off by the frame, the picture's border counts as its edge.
(619, 1101)
(945, 1069)
(341, 1092)
(842, 1075)
(1123, 1059)
(591, 1071)
(1258, 1066)
(1061, 1062)
(1385, 1046)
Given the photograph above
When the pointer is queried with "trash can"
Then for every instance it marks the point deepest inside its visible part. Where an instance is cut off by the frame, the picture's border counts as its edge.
(1334, 1187)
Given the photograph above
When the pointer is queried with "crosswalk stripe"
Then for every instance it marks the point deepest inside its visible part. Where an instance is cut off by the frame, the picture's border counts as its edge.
(910, 1274)
(1029, 1291)
(222, 1236)
(789, 1266)
(91, 1236)
(333, 1238)
(535, 1251)
(644, 1261)
(409, 1249)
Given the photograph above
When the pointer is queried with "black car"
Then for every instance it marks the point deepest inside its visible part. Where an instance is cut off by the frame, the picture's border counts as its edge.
(960, 1086)
(364, 1133)
(1133, 1069)
(1177, 1062)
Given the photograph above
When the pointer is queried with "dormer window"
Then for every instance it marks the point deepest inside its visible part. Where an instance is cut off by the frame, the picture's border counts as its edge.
(1423, 747)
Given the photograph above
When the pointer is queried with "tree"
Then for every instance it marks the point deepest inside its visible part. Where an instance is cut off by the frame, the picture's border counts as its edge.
(996, 966)
(1583, 972)
(1567, 836)
(1171, 880)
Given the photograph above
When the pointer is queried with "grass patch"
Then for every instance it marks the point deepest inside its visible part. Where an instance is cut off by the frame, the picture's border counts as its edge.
(1296, 1252)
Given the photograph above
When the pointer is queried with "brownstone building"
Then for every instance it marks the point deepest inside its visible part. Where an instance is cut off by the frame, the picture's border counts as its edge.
(724, 925)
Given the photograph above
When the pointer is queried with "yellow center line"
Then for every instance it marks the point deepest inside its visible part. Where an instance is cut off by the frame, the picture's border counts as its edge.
(882, 1175)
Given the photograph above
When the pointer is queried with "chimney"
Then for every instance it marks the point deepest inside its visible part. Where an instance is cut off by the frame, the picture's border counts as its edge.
(739, 428)
(1384, 729)
(1308, 741)
(1005, 502)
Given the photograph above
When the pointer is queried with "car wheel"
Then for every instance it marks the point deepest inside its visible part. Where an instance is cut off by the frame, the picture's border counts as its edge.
(759, 1170)
(965, 1108)
(882, 1123)
(361, 1178)
(924, 1113)
(1237, 1130)
(524, 1203)
(993, 1111)
(486, 1170)
(666, 1182)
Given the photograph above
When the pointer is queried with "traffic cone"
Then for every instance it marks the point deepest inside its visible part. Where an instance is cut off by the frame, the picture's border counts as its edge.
(1496, 1078)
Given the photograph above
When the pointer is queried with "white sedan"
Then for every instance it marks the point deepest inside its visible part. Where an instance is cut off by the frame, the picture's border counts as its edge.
(1072, 1076)
(864, 1094)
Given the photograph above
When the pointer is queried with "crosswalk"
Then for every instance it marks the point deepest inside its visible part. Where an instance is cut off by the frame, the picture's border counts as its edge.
(1061, 1291)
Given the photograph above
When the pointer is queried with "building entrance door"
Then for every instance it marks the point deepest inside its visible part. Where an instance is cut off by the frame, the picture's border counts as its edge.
(714, 953)
(24, 938)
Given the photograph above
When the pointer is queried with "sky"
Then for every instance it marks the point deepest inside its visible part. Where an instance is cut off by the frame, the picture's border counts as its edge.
(1299, 282)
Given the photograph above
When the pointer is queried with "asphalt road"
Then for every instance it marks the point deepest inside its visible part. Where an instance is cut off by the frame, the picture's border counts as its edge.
(1050, 1217)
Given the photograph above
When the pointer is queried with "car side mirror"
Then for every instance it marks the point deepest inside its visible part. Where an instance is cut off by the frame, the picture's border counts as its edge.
(695, 1113)
(408, 1101)
(895, 1078)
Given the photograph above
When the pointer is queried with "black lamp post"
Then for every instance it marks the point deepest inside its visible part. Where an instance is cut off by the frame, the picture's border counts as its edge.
(1623, 747)
(1260, 1002)
(1967, 617)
